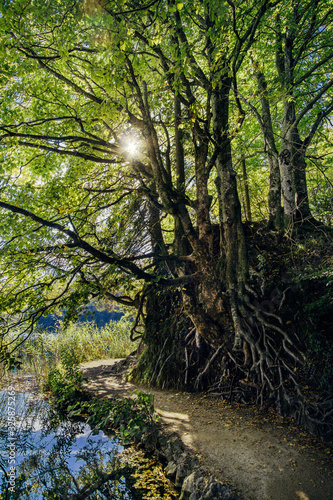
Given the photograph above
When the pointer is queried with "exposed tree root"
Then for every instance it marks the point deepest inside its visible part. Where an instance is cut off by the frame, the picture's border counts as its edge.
(268, 369)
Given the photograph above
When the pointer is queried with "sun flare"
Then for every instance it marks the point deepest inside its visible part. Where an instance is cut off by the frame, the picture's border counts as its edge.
(131, 146)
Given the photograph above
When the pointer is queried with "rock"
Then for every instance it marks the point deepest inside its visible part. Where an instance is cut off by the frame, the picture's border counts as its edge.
(195, 487)
(217, 491)
(170, 470)
(192, 484)
(184, 468)
(196, 495)
(175, 448)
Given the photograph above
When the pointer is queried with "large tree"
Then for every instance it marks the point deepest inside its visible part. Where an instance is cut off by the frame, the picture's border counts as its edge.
(117, 122)
(161, 75)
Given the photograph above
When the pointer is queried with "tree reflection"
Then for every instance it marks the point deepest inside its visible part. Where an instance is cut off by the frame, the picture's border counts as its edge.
(61, 460)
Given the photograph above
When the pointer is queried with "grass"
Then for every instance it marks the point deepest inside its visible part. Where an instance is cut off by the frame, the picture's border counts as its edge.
(84, 341)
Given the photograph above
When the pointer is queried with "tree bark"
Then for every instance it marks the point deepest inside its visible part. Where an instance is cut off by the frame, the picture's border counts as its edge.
(233, 235)
(274, 194)
(303, 211)
(292, 152)
(286, 166)
(293, 170)
(246, 191)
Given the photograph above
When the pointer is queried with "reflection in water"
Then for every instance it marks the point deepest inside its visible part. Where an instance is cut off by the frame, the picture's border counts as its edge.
(43, 458)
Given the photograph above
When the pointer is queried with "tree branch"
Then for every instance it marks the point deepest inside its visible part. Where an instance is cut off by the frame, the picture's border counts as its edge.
(307, 108)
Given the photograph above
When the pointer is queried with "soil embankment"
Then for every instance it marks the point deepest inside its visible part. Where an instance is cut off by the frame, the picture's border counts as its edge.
(262, 455)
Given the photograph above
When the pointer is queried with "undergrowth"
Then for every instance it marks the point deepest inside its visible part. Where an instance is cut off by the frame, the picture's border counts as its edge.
(41, 352)
(132, 419)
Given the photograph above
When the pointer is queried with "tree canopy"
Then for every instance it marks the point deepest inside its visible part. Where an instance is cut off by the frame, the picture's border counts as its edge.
(135, 141)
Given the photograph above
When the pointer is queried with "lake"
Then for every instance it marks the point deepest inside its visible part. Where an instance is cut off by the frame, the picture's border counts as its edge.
(45, 458)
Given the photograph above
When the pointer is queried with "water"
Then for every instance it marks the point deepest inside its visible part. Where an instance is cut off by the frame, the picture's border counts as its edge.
(43, 458)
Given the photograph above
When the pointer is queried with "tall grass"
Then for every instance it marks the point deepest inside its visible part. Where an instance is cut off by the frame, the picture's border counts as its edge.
(82, 341)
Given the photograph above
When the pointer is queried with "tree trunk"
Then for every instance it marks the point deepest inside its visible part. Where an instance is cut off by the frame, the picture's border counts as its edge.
(246, 191)
(156, 235)
(292, 152)
(286, 166)
(303, 212)
(233, 235)
(274, 194)
(293, 170)
(181, 245)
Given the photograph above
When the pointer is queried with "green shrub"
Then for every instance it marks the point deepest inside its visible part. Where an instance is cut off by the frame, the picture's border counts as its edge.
(65, 382)
(131, 418)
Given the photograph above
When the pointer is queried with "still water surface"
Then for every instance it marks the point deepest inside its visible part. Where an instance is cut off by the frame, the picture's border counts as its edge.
(43, 458)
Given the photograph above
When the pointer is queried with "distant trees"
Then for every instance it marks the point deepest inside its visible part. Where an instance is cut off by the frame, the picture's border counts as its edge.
(297, 82)
(120, 126)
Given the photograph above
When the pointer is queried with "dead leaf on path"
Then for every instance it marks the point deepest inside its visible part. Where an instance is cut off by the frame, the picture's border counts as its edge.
(302, 495)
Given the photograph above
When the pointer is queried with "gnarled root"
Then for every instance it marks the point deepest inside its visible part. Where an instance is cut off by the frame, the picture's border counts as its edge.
(269, 370)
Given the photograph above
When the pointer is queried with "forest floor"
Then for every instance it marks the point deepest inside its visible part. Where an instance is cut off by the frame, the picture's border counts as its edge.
(261, 455)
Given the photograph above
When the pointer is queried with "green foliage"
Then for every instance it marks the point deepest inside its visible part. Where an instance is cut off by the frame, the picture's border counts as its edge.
(85, 342)
(89, 342)
(74, 80)
(66, 383)
(9, 360)
(122, 128)
(131, 418)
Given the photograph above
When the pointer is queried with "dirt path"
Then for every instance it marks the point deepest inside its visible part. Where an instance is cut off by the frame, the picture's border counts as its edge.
(262, 455)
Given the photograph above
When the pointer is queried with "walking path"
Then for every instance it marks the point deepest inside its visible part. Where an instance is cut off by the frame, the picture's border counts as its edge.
(262, 455)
